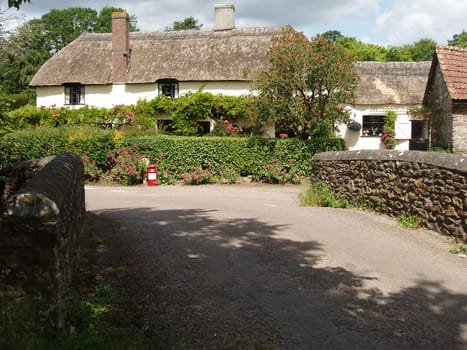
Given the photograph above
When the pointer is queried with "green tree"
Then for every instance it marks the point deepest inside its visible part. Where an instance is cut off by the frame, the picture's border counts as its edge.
(22, 54)
(459, 40)
(421, 50)
(332, 35)
(187, 23)
(61, 27)
(360, 51)
(103, 22)
(305, 86)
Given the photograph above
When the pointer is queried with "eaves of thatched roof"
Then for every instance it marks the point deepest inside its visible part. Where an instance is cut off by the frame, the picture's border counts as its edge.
(391, 83)
(189, 55)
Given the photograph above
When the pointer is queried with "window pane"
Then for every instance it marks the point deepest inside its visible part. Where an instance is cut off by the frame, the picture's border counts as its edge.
(74, 94)
(372, 125)
(169, 89)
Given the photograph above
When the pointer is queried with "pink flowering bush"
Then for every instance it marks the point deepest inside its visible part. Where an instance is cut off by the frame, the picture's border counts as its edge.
(127, 166)
(225, 127)
(91, 172)
(198, 176)
(277, 172)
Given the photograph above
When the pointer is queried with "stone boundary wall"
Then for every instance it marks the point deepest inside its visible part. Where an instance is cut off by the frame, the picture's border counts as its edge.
(39, 229)
(429, 185)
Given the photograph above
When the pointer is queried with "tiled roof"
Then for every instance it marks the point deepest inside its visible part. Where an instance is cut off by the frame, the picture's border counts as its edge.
(453, 63)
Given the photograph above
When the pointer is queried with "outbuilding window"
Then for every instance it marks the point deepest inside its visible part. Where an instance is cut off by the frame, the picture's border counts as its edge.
(372, 125)
(74, 94)
(168, 88)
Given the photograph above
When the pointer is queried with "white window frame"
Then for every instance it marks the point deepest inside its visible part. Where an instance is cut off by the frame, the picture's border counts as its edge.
(168, 88)
(74, 94)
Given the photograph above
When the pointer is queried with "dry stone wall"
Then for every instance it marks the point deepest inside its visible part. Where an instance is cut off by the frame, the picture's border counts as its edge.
(40, 223)
(429, 185)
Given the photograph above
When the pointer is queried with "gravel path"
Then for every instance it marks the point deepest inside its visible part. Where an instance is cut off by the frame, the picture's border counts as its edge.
(244, 267)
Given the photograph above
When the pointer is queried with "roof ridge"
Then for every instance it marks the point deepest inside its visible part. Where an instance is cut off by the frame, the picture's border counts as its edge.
(451, 48)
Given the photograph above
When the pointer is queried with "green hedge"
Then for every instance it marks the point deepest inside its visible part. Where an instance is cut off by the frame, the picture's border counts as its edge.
(43, 142)
(179, 154)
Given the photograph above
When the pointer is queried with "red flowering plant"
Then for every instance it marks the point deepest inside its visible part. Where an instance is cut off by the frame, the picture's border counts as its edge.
(127, 166)
(225, 127)
(121, 115)
(91, 172)
(277, 172)
(198, 176)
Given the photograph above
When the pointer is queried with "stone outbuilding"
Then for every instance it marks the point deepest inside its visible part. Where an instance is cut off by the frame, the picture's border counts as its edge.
(446, 97)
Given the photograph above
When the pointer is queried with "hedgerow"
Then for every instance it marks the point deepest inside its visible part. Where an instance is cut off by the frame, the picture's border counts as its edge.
(267, 159)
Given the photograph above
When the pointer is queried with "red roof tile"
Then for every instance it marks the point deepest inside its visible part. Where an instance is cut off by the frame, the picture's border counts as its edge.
(453, 63)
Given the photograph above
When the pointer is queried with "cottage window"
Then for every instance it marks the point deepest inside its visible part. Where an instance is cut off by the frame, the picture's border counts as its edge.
(74, 94)
(168, 88)
(372, 125)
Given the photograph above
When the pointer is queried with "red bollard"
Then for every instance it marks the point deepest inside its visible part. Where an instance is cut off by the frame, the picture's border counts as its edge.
(152, 175)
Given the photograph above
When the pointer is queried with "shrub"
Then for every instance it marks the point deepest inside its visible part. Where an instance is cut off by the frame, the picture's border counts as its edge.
(30, 144)
(276, 172)
(91, 172)
(198, 176)
(127, 166)
(94, 143)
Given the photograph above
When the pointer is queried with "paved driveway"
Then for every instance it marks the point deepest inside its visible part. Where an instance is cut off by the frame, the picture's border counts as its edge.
(213, 267)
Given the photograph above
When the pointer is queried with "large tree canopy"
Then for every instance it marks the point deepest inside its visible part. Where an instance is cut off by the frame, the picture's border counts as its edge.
(306, 85)
(421, 50)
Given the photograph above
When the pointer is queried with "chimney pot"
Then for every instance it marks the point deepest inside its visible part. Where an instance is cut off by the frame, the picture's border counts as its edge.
(224, 17)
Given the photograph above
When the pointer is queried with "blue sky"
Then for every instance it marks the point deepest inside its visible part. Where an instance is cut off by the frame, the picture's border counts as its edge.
(384, 22)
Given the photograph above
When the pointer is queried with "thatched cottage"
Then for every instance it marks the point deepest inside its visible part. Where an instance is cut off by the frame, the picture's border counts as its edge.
(108, 69)
(446, 96)
(396, 86)
(122, 67)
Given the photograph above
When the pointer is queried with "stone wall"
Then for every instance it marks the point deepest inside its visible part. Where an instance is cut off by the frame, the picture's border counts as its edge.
(459, 132)
(39, 229)
(441, 132)
(425, 184)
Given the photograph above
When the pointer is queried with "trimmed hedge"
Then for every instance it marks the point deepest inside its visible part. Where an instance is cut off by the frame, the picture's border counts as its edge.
(179, 154)
(43, 142)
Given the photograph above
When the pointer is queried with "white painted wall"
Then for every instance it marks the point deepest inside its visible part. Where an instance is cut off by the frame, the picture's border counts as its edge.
(354, 139)
(111, 95)
(233, 88)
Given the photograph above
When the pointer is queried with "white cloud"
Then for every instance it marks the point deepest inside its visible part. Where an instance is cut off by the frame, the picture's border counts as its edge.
(405, 21)
(393, 22)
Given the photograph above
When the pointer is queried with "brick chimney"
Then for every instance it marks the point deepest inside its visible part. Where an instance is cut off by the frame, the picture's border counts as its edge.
(224, 17)
(120, 46)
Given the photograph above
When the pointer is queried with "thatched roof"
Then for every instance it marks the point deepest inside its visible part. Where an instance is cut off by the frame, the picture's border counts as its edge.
(189, 55)
(399, 83)
(453, 64)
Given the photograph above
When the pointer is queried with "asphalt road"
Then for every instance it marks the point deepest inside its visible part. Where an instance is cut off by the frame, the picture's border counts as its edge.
(244, 267)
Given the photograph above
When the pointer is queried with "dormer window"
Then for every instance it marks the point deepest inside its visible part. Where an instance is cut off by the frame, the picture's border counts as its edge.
(168, 87)
(74, 94)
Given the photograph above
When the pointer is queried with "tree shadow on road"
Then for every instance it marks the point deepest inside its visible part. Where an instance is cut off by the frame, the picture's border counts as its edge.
(194, 279)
